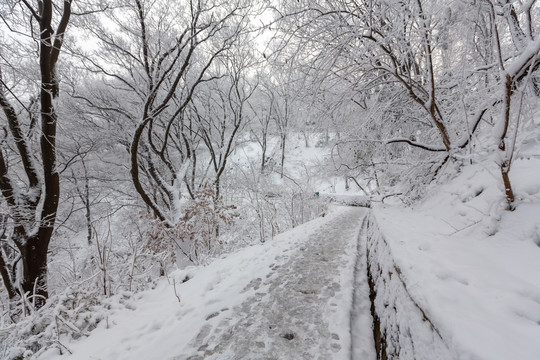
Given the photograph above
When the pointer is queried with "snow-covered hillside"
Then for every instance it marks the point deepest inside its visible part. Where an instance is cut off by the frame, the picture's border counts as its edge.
(290, 298)
(452, 277)
(472, 267)
(248, 179)
(470, 275)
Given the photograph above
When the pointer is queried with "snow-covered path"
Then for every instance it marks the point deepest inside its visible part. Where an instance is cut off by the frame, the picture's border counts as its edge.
(290, 298)
(293, 312)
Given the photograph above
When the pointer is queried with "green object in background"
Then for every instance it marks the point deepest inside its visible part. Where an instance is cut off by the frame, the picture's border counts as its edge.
(317, 194)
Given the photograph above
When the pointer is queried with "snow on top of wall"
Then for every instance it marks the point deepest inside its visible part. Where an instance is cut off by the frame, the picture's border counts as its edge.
(472, 265)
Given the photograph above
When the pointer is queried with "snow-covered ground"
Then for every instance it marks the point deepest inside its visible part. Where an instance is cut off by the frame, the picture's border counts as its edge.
(472, 267)
(466, 270)
(290, 298)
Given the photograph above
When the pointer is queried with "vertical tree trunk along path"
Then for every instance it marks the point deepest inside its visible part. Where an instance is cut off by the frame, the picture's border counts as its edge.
(304, 308)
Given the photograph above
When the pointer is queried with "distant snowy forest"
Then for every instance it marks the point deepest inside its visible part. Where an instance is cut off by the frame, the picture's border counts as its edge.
(139, 137)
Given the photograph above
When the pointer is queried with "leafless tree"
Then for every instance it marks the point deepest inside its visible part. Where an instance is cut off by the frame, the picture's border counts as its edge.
(29, 180)
(222, 110)
(401, 61)
(155, 55)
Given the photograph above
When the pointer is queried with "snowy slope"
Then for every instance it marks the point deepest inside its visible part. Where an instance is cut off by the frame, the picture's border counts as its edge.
(471, 266)
(289, 298)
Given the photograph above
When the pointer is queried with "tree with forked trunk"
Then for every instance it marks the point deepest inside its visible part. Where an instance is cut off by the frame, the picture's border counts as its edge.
(154, 58)
(29, 181)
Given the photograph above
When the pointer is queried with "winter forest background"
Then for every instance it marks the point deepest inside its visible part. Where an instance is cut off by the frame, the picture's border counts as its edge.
(142, 136)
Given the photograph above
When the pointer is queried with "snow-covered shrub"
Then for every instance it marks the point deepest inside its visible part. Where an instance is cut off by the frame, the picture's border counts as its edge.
(72, 314)
(116, 259)
(197, 234)
(125, 258)
(203, 219)
(271, 204)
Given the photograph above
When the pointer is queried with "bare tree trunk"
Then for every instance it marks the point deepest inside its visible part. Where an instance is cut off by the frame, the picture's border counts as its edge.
(263, 159)
(505, 169)
(283, 145)
(34, 261)
(84, 195)
(4, 272)
(505, 164)
(32, 241)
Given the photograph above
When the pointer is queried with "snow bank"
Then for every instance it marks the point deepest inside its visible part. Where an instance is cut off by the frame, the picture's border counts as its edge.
(403, 329)
(347, 199)
(471, 267)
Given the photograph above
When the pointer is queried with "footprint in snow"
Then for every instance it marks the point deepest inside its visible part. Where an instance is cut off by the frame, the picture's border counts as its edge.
(212, 315)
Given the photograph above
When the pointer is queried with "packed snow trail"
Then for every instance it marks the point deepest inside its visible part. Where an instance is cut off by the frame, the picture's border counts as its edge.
(290, 312)
(290, 298)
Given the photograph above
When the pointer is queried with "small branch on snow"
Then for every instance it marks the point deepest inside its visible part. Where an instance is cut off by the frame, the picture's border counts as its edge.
(390, 195)
(415, 144)
(175, 293)
(57, 342)
(465, 228)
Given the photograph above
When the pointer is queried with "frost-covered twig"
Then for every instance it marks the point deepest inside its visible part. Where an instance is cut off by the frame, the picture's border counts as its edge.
(175, 292)
(57, 342)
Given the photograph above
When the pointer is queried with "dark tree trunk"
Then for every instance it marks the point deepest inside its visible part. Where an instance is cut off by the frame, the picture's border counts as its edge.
(506, 164)
(33, 243)
(263, 162)
(4, 272)
(34, 261)
(283, 146)
(507, 187)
